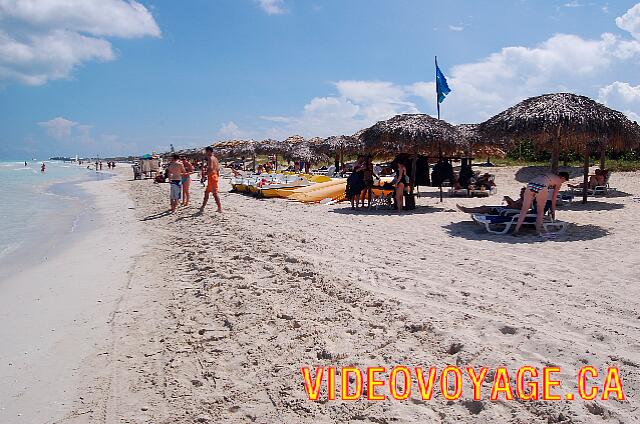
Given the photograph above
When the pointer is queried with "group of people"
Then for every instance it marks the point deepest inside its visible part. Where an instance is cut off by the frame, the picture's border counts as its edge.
(179, 173)
(360, 183)
(98, 165)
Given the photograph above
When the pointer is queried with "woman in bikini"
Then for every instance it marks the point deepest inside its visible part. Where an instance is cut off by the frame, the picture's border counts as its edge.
(538, 190)
(186, 180)
(402, 181)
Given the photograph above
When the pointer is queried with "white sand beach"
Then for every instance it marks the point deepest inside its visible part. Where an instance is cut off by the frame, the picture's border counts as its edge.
(57, 314)
(222, 311)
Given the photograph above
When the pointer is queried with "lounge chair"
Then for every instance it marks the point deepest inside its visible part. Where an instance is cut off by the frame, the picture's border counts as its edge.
(509, 218)
(501, 224)
(597, 190)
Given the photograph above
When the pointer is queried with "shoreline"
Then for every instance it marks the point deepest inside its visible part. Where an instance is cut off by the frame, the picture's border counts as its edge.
(44, 237)
(58, 311)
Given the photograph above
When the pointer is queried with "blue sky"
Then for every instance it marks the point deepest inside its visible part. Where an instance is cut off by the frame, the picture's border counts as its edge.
(111, 77)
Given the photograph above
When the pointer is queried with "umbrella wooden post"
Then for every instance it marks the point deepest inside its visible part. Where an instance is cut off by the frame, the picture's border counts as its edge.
(440, 160)
(603, 155)
(414, 162)
(555, 156)
(585, 180)
(254, 163)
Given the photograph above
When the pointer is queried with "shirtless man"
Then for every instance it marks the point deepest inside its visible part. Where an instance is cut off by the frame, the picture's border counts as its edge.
(176, 172)
(213, 173)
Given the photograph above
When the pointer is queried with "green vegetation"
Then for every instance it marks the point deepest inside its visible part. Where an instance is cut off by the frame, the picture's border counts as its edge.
(526, 155)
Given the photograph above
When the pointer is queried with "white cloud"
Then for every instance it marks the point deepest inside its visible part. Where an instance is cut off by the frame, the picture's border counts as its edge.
(59, 128)
(37, 58)
(272, 7)
(622, 96)
(116, 18)
(630, 21)
(456, 28)
(564, 62)
(231, 130)
(46, 39)
(357, 104)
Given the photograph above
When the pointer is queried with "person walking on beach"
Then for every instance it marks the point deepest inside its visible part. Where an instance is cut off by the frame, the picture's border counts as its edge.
(538, 190)
(213, 173)
(176, 172)
(43, 167)
(186, 180)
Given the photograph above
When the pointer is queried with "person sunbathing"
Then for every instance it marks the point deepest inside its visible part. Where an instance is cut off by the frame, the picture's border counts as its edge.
(599, 179)
(494, 210)
(483, 181)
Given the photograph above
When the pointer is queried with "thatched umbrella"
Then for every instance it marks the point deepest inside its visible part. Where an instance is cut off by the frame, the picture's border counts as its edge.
(477, 145)
(307, 151)
(339, 145)
(412, 133)
(564, 121)
(236, 148)
(273, 147)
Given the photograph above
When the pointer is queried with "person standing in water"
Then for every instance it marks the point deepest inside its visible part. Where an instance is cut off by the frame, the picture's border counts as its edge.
(176, 172)
(43, 167)
(538, 190)
(25, 163)
(213, 173)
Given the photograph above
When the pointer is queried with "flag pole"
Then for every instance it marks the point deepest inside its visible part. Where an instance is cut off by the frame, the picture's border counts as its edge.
(437, 99)
(438, 106)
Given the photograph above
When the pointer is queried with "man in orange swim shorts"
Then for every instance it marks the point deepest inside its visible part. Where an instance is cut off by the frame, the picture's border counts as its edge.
(213, 173)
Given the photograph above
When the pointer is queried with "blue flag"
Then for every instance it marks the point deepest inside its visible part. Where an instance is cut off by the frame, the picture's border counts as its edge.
(442, 88)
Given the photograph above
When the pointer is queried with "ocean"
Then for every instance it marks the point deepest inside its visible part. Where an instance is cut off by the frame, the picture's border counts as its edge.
(38, 209)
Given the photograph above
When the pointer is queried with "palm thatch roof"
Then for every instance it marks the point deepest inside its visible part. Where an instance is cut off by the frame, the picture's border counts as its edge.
(564, 118)
(270, 146)
(484, 151)
(479, 146)
(412, 133)
(309, 151)
(349, 144)
(234, 148)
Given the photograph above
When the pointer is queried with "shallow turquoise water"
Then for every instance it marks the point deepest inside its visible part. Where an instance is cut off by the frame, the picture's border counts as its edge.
(36, 207)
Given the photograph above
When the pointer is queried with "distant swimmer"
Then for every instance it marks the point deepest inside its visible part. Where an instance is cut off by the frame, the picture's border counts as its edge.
(213, 173)
(43, 167)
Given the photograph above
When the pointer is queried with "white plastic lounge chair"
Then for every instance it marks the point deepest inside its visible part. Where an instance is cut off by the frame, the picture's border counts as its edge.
(597, 190)
(501, 224)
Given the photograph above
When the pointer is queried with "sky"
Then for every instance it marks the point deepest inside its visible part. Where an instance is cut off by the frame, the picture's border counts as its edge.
(119, 77)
